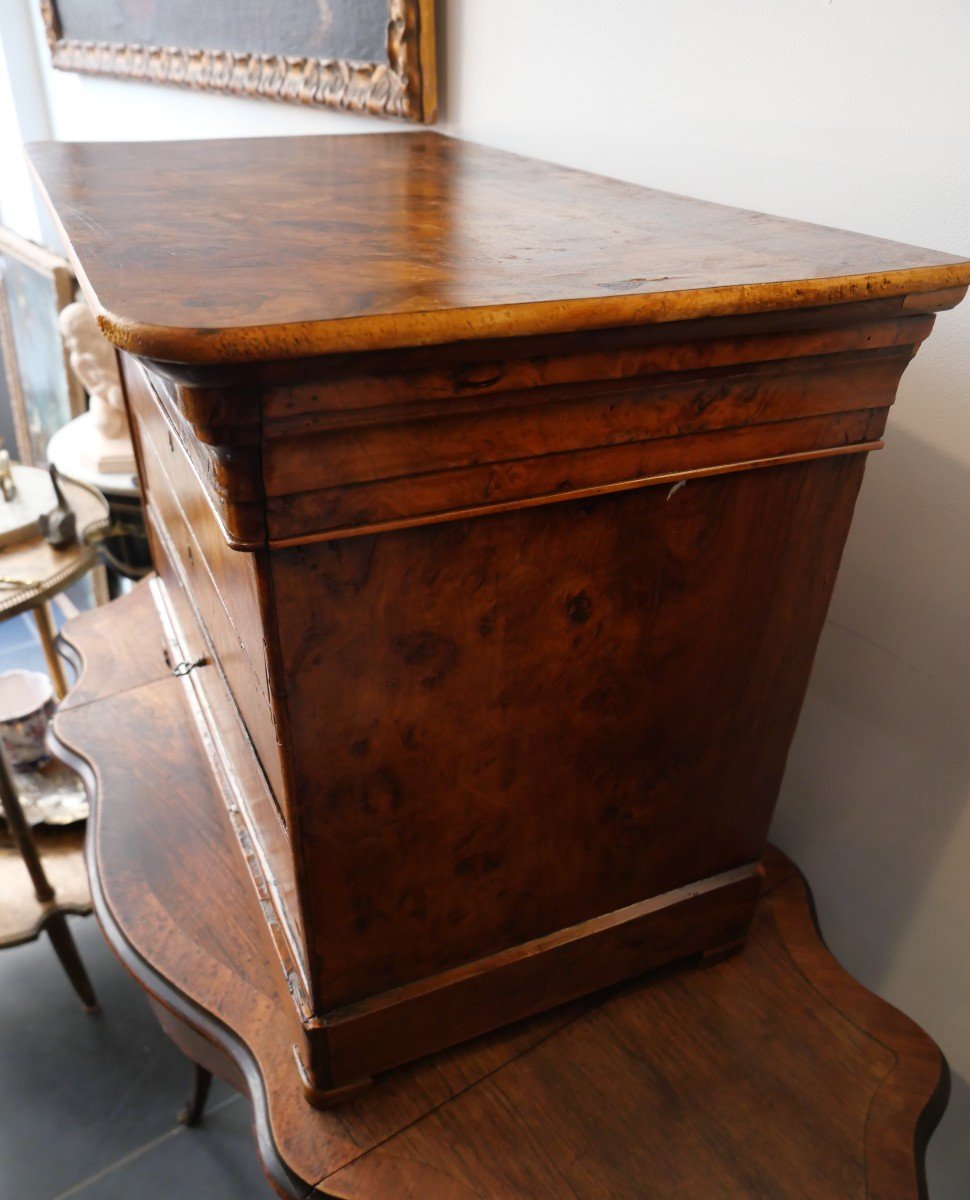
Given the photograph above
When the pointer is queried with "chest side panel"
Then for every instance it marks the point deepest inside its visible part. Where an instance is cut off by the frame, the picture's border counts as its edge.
(505, 725)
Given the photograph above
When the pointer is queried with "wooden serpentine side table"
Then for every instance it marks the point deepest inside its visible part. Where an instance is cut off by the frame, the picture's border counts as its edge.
(769, 1074)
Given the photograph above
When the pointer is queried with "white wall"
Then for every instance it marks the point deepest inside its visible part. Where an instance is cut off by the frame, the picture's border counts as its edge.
(848, 112)
(24, 117)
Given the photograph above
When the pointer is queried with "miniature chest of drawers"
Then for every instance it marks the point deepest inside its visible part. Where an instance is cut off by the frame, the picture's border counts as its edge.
(497, 509)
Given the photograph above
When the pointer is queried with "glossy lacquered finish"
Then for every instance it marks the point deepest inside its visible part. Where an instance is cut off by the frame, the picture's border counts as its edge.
(499, 507)
(257, 249)
(770, 1074)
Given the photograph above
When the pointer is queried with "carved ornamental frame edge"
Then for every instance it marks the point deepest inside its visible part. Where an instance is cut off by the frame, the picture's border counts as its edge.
(404, 87)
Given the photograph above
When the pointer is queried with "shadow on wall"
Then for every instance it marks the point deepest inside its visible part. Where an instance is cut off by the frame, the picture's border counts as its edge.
(875, 807)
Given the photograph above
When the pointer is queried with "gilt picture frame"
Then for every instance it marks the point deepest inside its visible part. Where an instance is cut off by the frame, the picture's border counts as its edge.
(366, 56)
(35, 284)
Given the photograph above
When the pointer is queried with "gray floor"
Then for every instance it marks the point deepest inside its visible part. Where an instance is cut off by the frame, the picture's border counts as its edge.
(88, 1102)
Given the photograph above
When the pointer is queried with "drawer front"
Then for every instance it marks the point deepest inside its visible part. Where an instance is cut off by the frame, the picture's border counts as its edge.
(258, 793)
(192, 644)
(197, 605)
(232, 571)
(231, 480)
(208, 580)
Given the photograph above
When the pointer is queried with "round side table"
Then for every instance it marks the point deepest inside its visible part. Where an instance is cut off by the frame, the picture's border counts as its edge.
(36, 895)
(32, 572)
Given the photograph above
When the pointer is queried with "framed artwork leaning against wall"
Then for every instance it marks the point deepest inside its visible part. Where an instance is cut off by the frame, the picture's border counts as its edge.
(371, 56)
(35, 284)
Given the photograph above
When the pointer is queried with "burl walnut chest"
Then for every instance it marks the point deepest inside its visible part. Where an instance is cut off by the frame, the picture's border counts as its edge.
(496, 509)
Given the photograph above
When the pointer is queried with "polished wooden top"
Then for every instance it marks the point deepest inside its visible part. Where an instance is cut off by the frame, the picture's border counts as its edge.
(770, 1074)
(260, 249)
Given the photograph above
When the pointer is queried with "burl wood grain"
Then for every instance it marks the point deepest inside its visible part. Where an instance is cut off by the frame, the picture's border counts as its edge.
(772, 1074)
(506, 502)
(375, 241)
(367, 445)
(547, 714)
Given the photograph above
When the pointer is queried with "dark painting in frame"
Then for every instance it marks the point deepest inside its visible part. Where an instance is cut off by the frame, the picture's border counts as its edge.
(369, 56)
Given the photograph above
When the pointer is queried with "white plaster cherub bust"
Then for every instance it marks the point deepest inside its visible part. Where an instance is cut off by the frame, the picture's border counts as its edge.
(107, 440)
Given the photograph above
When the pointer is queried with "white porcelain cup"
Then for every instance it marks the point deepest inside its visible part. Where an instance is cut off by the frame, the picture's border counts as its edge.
(26, 706)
